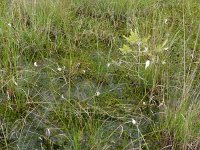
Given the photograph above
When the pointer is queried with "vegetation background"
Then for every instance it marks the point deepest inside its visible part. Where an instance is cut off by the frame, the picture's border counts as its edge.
(99, 74)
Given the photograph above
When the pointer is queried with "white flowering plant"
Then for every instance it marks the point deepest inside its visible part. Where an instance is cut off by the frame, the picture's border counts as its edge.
(144, 58)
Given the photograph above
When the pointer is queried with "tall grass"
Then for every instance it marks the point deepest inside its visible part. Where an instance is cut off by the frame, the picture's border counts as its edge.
(101, 74)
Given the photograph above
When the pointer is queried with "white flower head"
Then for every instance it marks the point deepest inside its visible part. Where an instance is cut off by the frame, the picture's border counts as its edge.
(48, 132)
(13, 79)
(166, 48)
(97, 93)
(35, 64)
(9, 24)
(40, 138)
(145, 49)
(83, 71)
(144, 103)
(134, 122)
(62, 96)
(166, 20)
(8, 95)
(192, 56)
(59, 69)
(163, 62)
(108, 65)
(147, 63)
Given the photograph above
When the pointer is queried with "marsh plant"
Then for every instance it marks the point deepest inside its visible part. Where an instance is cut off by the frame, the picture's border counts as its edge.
(143, 59)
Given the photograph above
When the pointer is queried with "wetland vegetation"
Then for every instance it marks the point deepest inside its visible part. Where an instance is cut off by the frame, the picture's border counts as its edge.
(99, 74)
